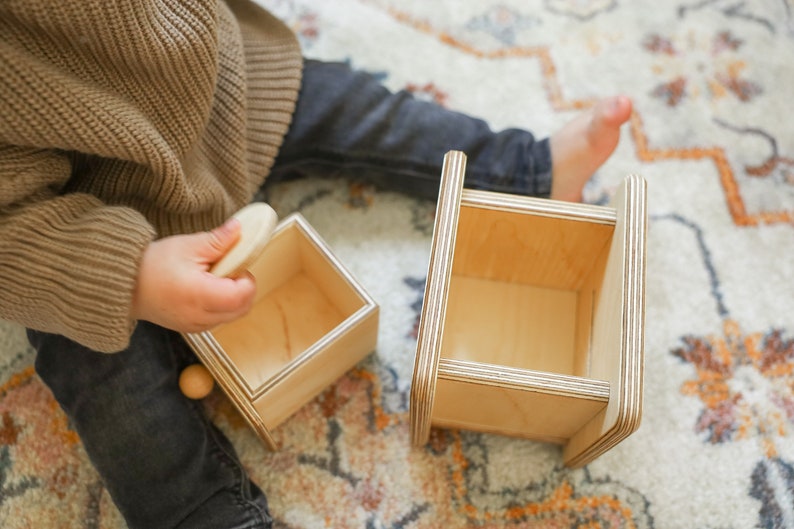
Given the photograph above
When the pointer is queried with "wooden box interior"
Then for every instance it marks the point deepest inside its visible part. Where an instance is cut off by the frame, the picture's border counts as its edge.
(300, 299)
(533, 317)
(310, 323)
(517, 349)
(522, 290)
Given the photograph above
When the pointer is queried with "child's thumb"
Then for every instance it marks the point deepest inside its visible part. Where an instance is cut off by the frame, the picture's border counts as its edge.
(221, 239)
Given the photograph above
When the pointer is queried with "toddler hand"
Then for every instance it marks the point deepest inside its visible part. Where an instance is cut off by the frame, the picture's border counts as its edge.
(176, 290)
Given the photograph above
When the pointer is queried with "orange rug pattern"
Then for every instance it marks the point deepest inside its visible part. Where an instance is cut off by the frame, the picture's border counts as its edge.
(710, 133)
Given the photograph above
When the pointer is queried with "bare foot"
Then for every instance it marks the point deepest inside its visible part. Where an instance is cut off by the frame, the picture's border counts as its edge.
(584, 144)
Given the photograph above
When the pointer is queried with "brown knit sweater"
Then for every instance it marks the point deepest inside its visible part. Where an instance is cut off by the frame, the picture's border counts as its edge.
(121, 122)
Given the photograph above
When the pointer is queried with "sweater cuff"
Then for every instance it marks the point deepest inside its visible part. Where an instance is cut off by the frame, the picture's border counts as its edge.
(70, 267)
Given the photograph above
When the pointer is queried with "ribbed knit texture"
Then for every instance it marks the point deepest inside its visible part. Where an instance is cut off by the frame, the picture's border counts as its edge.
(124, 121)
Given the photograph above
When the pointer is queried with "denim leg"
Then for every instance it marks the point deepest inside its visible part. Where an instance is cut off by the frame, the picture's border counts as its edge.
(164, 464)
(346, 120)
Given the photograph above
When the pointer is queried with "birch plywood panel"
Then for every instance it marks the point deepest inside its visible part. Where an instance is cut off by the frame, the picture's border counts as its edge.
(516, 402)
(311, 323)
(521, 318)
(512, 246)
(528, 307)
(618, 330)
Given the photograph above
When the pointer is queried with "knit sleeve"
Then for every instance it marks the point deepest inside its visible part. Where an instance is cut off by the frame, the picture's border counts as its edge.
(68, 262)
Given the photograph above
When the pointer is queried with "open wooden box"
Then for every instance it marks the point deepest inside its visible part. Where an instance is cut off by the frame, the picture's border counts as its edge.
(310, 324)
(533, 318)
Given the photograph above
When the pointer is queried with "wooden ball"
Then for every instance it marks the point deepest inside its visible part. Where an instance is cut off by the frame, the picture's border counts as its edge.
(196, 382)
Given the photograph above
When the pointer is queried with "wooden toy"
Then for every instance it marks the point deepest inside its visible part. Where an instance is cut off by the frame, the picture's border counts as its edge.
(311, 322)
(196, 382)
(533, 318)
(257, 222)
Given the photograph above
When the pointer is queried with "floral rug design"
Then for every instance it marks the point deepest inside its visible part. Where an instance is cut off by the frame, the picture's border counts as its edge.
(712, 135)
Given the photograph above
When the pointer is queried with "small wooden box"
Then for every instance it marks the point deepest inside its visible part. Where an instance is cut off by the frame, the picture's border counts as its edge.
(310, 324)
(533, 318)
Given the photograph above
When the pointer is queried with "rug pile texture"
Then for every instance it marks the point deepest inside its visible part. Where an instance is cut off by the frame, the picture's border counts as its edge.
(713, 135)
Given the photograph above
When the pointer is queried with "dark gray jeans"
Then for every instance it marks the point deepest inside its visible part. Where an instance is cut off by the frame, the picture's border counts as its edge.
(164, 464)
(346, 122)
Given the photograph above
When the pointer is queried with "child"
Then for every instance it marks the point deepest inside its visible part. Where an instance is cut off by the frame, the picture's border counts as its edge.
(130, 130)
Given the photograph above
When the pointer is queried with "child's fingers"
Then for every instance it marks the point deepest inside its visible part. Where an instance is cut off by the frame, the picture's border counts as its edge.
(220, 240)
(229, 296)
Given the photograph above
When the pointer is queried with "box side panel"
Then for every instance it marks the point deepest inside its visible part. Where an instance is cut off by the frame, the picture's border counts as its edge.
(517, 247)
(587, 298)
(208, 350)
(326, 272)
(529, 413)
(617, 354)
(279, 328)
(510, 324)
(433, 316)
(279, 260)
(319, 367)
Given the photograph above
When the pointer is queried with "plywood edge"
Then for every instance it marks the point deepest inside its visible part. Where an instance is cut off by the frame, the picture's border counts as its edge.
(287, 222)
(432, 317)
(215, 359)
(211, 355)
(523, 379)
(624, 410)
(539, 206)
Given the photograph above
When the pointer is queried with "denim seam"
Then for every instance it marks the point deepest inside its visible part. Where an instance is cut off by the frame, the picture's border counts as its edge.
(179, 353)
(338, 162)
(239, 487)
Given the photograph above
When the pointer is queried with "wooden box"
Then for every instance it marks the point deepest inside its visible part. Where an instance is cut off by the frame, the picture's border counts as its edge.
(310, 324)
(533, 318)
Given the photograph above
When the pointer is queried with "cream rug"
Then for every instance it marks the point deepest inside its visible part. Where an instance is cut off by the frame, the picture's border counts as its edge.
(713, 134)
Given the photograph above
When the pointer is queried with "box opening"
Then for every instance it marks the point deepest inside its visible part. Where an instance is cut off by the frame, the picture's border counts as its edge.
(301, 297)
(523, 289)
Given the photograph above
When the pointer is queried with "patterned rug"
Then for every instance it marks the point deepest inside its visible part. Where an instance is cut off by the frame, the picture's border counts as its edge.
(712, 133)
